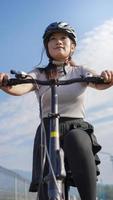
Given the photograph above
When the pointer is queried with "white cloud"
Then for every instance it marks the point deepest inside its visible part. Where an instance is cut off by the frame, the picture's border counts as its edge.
(96, 51)
(18, 123)
(96, 48)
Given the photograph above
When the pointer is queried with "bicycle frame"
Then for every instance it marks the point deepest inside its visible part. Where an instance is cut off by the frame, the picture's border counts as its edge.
(55, 186)
(55, 192)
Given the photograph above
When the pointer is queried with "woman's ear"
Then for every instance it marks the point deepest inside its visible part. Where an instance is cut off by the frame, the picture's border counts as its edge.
(73, 47)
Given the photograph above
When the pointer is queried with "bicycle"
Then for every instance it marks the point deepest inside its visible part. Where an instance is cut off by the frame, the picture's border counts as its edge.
(57, 188)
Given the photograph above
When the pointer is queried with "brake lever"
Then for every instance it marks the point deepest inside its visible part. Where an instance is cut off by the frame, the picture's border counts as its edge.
(19, 74)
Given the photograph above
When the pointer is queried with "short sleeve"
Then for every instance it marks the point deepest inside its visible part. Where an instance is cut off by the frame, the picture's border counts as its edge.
(86, 71)
(34, 73)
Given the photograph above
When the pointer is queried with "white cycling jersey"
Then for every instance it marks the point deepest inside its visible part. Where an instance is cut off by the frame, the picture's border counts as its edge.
(70, 97)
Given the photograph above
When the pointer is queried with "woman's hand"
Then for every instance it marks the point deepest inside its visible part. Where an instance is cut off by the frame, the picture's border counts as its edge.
(3, 79)
(108, 77)
(15, 90)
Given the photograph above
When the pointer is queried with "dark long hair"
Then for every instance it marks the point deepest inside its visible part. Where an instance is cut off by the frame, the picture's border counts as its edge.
(51, 71)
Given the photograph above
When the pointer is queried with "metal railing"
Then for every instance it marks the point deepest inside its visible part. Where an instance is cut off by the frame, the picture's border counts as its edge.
(13, 186)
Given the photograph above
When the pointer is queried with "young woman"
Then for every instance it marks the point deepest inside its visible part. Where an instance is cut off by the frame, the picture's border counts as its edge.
(77, 138)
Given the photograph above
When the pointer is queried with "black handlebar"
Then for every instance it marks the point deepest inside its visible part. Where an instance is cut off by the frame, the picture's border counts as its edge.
(93, 79)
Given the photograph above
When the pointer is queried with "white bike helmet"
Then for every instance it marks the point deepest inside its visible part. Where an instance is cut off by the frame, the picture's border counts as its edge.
(59, 27)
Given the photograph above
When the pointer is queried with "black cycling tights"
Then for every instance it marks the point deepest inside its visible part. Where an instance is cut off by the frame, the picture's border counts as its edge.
(78, 150)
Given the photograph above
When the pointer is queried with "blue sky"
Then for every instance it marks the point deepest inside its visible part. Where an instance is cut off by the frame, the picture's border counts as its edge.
(22, 24)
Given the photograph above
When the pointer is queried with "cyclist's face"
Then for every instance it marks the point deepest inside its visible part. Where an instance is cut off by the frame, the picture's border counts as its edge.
(60, 46)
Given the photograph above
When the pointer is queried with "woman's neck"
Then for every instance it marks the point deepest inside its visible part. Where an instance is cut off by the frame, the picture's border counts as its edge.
(62, 63)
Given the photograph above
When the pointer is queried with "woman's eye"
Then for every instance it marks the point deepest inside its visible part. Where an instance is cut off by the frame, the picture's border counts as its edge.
(52, 38)
(61, 38)
(64, 37)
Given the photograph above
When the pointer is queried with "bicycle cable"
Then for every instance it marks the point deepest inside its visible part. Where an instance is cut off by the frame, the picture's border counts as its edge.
(41, 58)
(43, 145)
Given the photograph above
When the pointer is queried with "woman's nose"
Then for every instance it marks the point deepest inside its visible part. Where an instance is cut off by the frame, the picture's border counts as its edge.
(59, 41)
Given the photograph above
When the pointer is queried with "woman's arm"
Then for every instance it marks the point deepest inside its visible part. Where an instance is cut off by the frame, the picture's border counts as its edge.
(16, 90)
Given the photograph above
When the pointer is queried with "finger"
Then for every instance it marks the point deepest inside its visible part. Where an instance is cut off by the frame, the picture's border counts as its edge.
(107, 75)
(3, 79)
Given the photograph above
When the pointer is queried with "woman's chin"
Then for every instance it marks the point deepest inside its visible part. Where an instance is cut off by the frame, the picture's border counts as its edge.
(60, 57)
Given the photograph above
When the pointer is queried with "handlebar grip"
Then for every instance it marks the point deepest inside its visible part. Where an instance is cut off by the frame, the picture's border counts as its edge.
(14, 81)
(95, 79)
